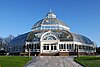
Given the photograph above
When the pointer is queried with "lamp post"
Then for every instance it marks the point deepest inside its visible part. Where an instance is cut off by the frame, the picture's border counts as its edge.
(28, 51)
(9, 50)
(77, 49)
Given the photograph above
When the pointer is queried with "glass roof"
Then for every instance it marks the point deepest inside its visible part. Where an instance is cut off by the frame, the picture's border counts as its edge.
(62, 35)
(50, 19)
(65, 36)
(0, 41)
(19, 40)
(81, 38)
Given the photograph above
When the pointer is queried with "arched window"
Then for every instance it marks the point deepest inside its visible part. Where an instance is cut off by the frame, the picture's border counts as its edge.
(49, 38)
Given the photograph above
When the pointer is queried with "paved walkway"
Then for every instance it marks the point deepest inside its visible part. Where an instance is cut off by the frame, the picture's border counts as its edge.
(52, 61)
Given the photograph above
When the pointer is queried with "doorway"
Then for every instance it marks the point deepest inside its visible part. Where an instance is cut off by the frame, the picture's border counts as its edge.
(50, 48)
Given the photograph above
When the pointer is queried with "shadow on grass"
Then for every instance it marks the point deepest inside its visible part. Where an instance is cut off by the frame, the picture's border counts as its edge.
(75, 59)
(88, 61)
(89, 58)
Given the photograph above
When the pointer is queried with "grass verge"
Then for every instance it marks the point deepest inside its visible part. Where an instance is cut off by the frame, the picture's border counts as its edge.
(13, 61)
(89, 61)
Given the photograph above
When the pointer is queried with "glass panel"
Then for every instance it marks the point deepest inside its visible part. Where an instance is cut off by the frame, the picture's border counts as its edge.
(55, 48)
(47, 47)
(27, 46)
(72, 46)
(35, 46)
(64, 46)
(51, 47)
(44, 47)
(48, 27)
(42, 26)
(32, 46)
(49, 38)
(60, 46)
(38, 46)
(67, 46)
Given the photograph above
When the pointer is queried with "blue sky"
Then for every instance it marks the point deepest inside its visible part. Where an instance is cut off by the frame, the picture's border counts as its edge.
(82, 16)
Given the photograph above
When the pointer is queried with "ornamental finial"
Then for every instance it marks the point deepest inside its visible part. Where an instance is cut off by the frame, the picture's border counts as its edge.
(50, 10)
(50, 14)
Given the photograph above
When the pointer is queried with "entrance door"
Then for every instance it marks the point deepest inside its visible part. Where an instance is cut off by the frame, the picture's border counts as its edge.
(50, 48)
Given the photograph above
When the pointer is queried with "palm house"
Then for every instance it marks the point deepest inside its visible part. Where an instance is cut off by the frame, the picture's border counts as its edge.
(51, 36)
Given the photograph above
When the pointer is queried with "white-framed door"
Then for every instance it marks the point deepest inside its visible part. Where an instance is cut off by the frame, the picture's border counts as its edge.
(50, 48)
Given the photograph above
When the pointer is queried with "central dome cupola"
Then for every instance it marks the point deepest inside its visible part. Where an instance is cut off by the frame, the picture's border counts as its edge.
(51, 15)
(50, 22)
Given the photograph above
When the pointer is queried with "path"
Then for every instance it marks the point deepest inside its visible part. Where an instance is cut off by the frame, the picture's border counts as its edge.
(52, 61)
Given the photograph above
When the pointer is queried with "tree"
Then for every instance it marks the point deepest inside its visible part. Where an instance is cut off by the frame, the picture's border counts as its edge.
(98, 50)
(8, 39)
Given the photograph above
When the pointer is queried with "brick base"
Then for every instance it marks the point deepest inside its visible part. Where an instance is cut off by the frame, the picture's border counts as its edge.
(48, 54)
(72, 53)
(52, 54)
(63, 53)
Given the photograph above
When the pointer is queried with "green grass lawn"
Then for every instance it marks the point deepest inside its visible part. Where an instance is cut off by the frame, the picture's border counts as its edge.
(89, 61)
(13, 61)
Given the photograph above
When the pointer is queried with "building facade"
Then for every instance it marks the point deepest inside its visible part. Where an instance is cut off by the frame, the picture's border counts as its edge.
(51, 36)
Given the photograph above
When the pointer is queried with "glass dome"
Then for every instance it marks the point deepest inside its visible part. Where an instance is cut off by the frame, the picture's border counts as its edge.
(50, 22)
(56, 26)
